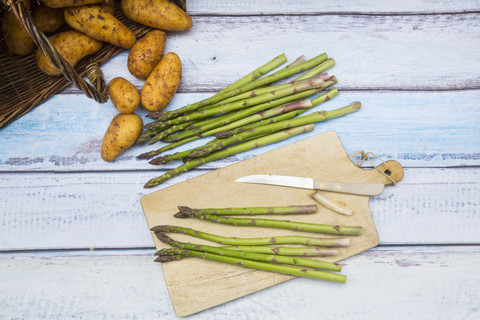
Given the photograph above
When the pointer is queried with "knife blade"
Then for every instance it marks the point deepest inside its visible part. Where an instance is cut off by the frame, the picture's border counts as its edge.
(365, 189)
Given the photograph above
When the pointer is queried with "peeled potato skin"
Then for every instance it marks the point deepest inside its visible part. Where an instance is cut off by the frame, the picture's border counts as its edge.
(162, 84)
(121, 134)
(146, 54)
(100, 25)
(68, 3)
(125, 97)
(158, 14)
(72, 46)
(17, 39)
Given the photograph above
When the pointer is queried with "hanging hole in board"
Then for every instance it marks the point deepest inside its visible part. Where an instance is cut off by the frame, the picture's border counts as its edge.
(388, 172)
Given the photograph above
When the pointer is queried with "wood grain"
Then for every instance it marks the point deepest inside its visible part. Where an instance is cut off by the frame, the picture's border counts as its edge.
(310, 7)
(436, 282)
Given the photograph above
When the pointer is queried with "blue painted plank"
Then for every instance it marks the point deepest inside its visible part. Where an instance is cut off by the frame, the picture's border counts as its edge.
(416, 128)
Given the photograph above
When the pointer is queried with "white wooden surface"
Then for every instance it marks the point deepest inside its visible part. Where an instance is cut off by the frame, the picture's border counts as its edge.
(401, 282)
(73, 239)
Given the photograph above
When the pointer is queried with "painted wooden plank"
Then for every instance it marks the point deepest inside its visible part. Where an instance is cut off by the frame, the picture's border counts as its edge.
(202, 7)
(416, 282)
(416, 128)
(426, 52)
(102, 210)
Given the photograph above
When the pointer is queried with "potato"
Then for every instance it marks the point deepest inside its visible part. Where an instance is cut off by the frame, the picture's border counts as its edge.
(67, 3)
(158, 14)
(125, 97)
(48, 19)
(121, 135)
(100, 25)
(146, 54)
(17, 39)
(162, 84)
(72, 46)
(108, 6)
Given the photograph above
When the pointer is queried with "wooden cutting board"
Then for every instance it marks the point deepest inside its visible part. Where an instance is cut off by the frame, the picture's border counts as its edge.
(195, 284)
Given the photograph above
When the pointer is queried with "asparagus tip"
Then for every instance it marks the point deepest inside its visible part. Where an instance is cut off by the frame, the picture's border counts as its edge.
(185, 212)
(159, 228)
(163, 259)
(181, 214)
(163, 237)
(145, 155)
(140, 140)
(159, 160)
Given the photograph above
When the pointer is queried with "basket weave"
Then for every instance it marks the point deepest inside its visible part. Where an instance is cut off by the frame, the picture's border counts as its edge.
(23, 86)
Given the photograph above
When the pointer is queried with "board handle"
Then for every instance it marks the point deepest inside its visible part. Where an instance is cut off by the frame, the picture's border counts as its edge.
(392, 171)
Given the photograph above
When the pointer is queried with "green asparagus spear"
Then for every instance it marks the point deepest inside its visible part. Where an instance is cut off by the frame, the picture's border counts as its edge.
(279, 224)
(234, 241)
(300, 209)
(329, 63)
(257, 73)
(287, 251)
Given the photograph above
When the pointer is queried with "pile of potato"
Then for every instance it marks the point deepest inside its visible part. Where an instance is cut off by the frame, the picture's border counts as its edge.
(92, 23)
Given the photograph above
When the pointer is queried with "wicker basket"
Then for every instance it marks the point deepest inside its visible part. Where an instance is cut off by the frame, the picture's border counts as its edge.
(23, 86)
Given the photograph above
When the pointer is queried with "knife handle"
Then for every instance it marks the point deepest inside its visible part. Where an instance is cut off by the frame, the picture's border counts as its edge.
(322, 185)
(370, 189)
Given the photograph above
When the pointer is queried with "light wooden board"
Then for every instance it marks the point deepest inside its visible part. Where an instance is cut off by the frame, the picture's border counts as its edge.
(195, 285)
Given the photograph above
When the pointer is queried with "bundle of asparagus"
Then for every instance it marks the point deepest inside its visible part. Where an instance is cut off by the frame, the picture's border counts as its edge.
(247, 114)
(268, 262)
(260, 253)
